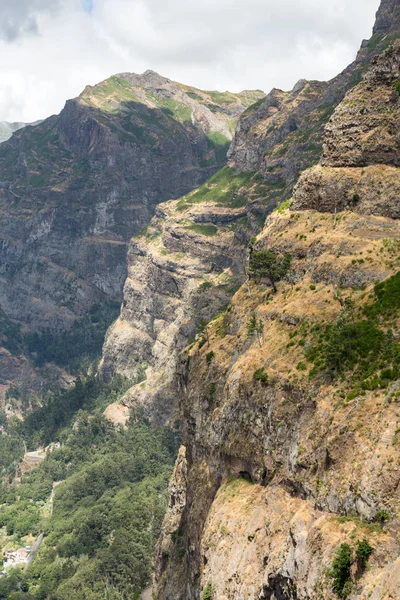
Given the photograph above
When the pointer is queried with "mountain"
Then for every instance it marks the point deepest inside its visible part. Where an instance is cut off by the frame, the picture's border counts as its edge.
(287, 484)
(7, 129)
(259, 313)
(194, 253)
(75, 188)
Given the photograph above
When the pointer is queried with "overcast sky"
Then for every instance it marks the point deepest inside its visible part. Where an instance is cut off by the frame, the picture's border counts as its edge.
(51, 49)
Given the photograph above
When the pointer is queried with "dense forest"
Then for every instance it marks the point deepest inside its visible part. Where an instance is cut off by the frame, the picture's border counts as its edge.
(109, 485)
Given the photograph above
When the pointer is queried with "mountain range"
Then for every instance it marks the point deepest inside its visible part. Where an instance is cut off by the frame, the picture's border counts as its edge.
(238, 255)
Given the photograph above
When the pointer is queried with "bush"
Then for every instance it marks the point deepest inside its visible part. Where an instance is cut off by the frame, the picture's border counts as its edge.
(209, 357)
(340, 572)
(261, 376)
(382, 516)
(363, 552)
(396, 85)
(208, 594)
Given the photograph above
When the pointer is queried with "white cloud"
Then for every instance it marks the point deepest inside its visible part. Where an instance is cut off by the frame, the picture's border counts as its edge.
(51, 49)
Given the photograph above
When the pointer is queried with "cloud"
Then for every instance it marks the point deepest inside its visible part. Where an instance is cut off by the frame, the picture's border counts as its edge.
(53, 48)
(20, 18)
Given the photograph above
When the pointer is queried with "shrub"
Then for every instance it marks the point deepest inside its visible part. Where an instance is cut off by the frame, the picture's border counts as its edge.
(396, 85)
(255, 326)
(208, 593)
(209, 357)
(206, 285)
(382, 516)
(363, 552)
(261, 376)
(340, 572)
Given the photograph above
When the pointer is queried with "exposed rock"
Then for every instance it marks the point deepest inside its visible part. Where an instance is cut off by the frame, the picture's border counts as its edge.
(365, 128)
(184, 268)
(361, 150)
(78, 186)
(282, 467)
(282, 135)
(387, 18)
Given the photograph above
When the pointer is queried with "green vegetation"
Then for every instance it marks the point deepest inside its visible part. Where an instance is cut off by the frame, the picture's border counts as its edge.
(109, 94)
(210, 357)
(381, 517)
(261, 376)
(177, 110)
(78, 346)
(340, 572)
(396, 85)
(208, 230)
(255, 327)
(107, 514)
(363, 552)
(284, 206)
(366, 346)
(219, 143)
(208, 592)
(265, 264)
(226, 188)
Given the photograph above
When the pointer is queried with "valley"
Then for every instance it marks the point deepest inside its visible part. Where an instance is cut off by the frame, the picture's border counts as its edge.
(200, 359)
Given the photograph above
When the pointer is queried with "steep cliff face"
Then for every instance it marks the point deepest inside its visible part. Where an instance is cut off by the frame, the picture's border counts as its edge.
(290, 411)
(277, 137)
(282, 135)
(182, 269)
(74, 189)
(78, 186)
(387, 18)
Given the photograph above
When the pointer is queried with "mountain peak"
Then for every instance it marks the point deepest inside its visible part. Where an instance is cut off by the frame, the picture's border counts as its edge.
(387, 17)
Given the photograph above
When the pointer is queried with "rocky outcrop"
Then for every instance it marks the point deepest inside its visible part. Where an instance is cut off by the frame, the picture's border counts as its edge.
(365, 128)
(273, 469)
(282, 135)
(286, 461)
(361, 149)
(78, 186)
(387, 18)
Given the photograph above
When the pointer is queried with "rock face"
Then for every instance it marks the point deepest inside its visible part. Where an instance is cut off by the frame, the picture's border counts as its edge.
(365, 129)
(387, 18)
(283, 465)
(74, 189)
(277, 137)
(182, 269)
(282, 135)
(362, 148)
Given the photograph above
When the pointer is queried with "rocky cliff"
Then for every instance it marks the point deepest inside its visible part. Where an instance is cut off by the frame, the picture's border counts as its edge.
(288, 483)
(282, 135)
(74, 189)
(182, 270)
(276, 138)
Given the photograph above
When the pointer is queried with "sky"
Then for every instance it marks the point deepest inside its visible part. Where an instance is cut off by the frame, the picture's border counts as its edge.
(51, 49)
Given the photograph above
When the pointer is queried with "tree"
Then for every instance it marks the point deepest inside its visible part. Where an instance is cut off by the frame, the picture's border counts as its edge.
(341, 571)
(202, 329)
(255, 326)
(266, 264)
